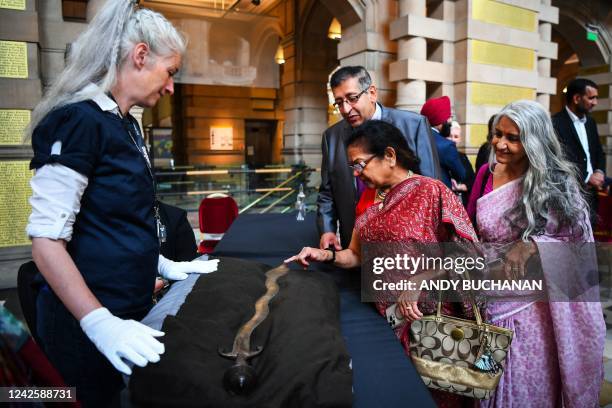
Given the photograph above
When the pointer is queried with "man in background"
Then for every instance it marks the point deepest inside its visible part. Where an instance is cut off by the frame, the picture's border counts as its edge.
(577, 132)
(438, 112)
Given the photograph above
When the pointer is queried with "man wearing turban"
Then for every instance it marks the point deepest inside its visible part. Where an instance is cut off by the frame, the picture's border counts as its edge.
(438, 112)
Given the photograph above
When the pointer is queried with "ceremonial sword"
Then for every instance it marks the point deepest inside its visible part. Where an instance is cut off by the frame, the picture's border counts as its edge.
(241, 378)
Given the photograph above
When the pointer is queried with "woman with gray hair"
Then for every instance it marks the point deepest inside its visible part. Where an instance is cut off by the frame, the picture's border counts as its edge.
(94, 226)
(531, 198)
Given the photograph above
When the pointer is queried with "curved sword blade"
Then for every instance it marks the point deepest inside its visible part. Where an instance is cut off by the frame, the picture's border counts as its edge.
(241, 378)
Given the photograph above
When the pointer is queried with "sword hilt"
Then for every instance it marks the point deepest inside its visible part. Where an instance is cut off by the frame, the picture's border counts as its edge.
(234, 354)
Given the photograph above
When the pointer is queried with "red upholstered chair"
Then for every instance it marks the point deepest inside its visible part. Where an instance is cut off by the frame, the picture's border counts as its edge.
(217, 212)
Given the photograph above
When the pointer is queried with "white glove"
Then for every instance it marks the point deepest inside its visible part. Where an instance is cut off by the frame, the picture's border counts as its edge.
(178, 270)
(117, 338)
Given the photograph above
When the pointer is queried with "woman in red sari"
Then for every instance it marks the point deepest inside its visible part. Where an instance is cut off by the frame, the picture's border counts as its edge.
(415, 210)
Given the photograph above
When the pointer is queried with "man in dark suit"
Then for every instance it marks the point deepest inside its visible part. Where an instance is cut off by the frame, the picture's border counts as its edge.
(355, 96)
(578, 135)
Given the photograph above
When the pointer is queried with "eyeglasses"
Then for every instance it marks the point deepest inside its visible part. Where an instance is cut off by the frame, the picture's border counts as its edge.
(350, 99)
(360, 166)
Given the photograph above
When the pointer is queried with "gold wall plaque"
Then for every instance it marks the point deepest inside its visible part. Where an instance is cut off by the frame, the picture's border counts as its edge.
(472, 158)
(13, 59)
(489, 94)
(507, 15)
(484, 52)
(12, 124)
(13, 4)
(476, 135)
(14, 205)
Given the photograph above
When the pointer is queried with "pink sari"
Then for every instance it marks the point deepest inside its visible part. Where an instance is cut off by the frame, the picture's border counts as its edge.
(556, 356)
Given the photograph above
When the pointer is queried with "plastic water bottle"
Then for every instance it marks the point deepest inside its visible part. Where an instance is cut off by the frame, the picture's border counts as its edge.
(300, 204)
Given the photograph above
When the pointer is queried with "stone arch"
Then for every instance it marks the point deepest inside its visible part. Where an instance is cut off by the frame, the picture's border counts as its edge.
(593, 58)
(573, 18)
(570, 35)
(263, 31)
(305, 78)
(267, 37)
(347, 12)
(312, 38)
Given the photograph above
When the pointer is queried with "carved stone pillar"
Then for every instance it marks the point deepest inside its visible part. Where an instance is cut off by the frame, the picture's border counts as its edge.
(411, 93)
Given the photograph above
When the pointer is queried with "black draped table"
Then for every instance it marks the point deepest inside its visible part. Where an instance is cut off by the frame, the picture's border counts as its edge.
(383, 375)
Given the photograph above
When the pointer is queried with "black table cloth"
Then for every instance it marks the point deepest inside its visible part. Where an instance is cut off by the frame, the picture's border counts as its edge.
(383, 375)
(304, 362)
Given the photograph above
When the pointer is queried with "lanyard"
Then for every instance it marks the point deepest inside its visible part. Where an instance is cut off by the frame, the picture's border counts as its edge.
(161, 228)
(141, 149)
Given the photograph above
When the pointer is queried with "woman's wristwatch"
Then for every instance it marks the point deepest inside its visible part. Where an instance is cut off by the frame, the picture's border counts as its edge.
(333, 251)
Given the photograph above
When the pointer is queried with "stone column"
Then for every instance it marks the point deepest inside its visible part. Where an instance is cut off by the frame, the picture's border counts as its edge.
(411, 94)
(546, 50)
(544, 63)
(55, 35)
(304, 77)
(444, 52)
(367, 44)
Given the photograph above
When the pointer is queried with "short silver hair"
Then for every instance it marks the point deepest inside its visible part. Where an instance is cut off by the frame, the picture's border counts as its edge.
(98, 53)
(552, 196)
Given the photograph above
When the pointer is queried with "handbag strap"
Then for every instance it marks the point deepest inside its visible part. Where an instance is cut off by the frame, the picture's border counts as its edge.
(477, 315)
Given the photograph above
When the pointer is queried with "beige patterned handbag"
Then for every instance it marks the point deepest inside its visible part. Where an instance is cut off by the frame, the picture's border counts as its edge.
(461, 356)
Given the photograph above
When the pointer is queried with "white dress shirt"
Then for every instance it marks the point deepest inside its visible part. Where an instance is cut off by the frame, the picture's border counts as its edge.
(579, 125)
(377, 113)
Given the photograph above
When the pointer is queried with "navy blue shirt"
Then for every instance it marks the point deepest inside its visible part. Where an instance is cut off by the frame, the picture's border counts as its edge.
(114, 242)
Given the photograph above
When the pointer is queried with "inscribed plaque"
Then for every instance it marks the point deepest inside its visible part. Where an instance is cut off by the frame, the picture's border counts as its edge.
(13, 4)
(12, 125)
(476, 134)
(484, 52)
(507, 15)
(14, 205)
(490, 94)
(13, 59)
